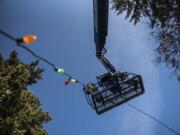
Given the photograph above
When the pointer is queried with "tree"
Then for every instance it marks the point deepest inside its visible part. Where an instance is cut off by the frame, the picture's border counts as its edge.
(20, 111)
(164, 21)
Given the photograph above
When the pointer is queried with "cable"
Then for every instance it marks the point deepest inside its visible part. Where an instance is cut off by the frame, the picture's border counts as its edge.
(153, 118)
(37, 56)
(7, 35)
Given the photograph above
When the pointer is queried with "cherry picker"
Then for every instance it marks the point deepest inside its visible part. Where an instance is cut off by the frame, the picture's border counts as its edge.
(112, 88)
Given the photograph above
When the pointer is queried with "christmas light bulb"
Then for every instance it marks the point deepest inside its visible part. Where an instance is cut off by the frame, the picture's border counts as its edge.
(66, 82)
(60, 70)
(28, 39)
(73, 80)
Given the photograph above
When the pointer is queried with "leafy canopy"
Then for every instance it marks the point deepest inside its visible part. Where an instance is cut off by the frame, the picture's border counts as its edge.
(164, 21)
(20, 111)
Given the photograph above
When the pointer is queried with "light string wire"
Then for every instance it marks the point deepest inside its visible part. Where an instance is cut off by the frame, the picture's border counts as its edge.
(153, 118)
(83, 85)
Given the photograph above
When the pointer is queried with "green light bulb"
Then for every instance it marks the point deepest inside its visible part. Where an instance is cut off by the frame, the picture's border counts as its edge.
(60, 70)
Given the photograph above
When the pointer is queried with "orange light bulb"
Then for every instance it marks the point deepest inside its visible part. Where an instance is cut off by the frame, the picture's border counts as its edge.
(27, 39)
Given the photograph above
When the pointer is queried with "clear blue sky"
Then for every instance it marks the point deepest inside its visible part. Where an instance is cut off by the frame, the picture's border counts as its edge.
(65, 32)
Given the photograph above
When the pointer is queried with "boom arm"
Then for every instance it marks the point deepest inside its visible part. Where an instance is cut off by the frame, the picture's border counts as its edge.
(107, 64)
(100, 10)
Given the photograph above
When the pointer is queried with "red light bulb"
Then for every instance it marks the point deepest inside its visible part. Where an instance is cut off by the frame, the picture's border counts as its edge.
(66, 82)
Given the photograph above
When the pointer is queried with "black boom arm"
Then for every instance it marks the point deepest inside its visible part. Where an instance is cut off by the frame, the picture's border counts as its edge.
(100, 11)
(107, 64)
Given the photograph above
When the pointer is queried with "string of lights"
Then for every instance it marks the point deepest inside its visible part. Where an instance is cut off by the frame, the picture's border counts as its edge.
(28, 39)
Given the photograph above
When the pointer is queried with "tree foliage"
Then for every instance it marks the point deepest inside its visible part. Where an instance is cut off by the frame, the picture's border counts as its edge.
(20, 111)
(164, 21)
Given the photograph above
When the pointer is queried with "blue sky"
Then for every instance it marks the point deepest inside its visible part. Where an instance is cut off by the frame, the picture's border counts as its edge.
(65, 37)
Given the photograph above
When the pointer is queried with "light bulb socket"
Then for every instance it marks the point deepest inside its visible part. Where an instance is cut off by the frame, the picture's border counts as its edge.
(19, 40)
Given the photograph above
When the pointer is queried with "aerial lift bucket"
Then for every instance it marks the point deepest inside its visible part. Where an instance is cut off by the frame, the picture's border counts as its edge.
(111, 93)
